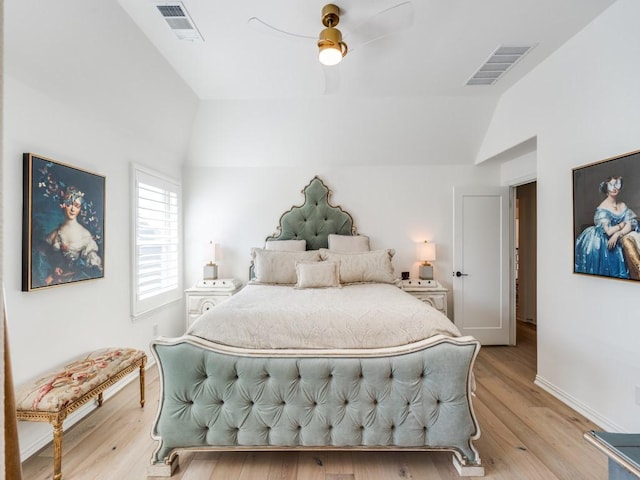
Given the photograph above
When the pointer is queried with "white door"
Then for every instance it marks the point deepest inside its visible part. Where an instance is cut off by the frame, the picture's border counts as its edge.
(481, 272)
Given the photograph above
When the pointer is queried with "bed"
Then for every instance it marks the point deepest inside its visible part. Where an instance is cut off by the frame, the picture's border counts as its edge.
(320, 351)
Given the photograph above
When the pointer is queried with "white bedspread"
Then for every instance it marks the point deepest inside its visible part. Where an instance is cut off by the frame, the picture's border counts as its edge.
(355, 316)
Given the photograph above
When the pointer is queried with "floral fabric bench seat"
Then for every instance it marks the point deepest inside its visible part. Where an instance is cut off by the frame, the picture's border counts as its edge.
(61, 391)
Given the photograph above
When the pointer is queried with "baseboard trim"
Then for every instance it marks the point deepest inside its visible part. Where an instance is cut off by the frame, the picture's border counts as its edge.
(40, 440)
(603, 422)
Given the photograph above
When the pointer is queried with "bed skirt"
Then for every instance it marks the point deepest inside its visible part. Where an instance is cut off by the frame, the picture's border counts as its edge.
(416, 397)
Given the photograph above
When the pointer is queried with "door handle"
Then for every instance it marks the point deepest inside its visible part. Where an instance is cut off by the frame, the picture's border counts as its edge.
(460, 274)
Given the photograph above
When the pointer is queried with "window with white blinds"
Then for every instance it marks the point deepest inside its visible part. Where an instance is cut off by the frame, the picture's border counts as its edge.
(157, 234)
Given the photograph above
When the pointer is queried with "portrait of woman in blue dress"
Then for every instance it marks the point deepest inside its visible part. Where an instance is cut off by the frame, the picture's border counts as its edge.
(598, 249)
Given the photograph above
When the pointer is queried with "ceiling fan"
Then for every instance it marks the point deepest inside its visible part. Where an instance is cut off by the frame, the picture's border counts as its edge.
(331, 46)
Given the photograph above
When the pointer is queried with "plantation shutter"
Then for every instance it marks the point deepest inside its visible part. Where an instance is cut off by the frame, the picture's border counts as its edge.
(157, 241)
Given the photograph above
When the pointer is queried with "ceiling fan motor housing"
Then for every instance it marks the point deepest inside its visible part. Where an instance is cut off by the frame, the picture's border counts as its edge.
(330, 15)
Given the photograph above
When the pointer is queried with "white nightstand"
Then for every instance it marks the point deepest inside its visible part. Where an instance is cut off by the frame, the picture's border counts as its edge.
(429, 291)
(207, 294)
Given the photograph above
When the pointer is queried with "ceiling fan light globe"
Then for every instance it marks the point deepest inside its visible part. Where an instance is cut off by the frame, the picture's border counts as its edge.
(330, 55)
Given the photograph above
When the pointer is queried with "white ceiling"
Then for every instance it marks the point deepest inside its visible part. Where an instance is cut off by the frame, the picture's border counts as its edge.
(110, 58)
(447, 41)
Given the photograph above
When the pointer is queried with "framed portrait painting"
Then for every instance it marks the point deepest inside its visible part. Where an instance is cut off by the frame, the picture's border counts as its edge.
(606, 233)
(62, 224)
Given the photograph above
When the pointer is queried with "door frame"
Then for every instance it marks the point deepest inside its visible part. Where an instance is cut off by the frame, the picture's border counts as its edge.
(512, 240)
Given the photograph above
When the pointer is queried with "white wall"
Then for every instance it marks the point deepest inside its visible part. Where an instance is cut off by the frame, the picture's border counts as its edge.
(582, 104)
(127, 106)
(339, 131)
(397, 207)
(47, 327)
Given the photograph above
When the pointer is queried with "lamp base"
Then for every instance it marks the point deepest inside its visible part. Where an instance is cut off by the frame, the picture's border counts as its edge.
(425, 272)
(210, 271)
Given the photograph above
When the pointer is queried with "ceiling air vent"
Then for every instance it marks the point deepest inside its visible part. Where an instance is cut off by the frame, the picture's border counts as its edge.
(501, 60)
(179, 20)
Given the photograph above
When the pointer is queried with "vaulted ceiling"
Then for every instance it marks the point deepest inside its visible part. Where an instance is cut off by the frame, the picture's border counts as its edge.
(120, 62)
(432, 46)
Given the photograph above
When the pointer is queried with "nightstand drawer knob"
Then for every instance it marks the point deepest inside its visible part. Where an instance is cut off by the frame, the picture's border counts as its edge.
(208, 305)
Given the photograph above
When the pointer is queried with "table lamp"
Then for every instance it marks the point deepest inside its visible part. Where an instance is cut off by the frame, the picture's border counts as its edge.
(426, 254)
(210, 270)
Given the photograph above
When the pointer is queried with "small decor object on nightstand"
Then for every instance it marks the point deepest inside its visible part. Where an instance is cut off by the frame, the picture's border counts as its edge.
(210, 270)
(426, 254)
(207, 294)
(428, 291)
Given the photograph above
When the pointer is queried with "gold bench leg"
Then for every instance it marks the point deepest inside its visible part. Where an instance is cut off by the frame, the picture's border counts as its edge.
(57, 447)
(100, 399)
(142, 383)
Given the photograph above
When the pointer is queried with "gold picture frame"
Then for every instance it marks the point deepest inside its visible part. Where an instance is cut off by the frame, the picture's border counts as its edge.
(62, 224)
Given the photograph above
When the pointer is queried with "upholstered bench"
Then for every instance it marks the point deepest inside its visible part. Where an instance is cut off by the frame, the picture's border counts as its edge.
(61, 391)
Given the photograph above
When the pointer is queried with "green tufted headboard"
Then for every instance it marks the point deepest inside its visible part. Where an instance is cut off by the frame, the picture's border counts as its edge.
(315, 219)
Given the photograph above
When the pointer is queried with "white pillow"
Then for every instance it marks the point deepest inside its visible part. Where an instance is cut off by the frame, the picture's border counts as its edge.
(318, 274)
(286, 245)
(363, 267)
(348, 243)
(272, 266)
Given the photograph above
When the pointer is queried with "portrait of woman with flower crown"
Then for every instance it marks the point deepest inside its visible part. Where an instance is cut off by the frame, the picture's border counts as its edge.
(67, 224)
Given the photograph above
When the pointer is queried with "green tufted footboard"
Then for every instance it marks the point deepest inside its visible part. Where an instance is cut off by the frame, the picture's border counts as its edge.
(416, 400)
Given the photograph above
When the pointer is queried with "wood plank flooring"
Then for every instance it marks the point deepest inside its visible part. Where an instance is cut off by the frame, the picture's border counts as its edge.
(526, 435)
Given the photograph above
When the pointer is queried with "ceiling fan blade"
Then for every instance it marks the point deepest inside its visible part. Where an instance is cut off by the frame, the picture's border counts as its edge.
(331, 79)
(385, 22)
(264, 27)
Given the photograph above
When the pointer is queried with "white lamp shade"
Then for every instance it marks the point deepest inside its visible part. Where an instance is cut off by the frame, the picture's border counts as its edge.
(213, 252)
(427, 252)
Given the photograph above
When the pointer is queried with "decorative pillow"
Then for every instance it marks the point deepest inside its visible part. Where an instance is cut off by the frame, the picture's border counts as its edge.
(363, 267)
(318, 274)
(286, 245)
(273, 266)
(348, 243)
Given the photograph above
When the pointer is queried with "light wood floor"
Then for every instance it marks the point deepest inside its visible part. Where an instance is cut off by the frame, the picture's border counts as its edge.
(526, 434)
